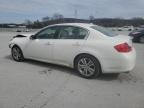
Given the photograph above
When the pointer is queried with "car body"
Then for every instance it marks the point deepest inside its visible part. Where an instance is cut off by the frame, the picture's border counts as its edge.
(76, 44)
(137, 35)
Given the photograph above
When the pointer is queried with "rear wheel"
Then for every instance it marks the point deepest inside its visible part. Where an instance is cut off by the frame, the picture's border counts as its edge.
(17, 54)
(136, 40)
(87, 66)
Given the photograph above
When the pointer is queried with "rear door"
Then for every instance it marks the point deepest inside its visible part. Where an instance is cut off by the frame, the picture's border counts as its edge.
(68, 44)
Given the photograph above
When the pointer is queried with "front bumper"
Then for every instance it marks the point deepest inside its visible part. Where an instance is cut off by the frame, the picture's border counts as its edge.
(10, 45)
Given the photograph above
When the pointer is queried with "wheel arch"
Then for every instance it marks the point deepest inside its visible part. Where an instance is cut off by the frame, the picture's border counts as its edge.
(15, 45)
(21, 56)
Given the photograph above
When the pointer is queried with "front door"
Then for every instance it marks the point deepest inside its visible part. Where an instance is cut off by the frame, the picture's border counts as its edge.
(41, 47)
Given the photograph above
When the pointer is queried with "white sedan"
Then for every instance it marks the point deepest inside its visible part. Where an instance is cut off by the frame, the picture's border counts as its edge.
(88, 48)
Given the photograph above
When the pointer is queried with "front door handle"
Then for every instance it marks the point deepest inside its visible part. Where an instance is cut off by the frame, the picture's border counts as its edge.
(48, 43)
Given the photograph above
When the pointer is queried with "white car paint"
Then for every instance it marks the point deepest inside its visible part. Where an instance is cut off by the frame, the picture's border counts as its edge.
(64, 51)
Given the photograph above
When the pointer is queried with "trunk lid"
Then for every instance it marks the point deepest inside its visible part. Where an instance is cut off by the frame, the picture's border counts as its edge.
(122, 39)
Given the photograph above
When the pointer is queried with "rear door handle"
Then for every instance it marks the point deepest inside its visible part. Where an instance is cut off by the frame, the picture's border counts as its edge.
(48, 43)
(76, 44)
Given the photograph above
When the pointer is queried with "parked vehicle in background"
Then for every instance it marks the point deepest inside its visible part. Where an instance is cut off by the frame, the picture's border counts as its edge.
(142, 26)
(126, 28)
(27, 30)
(23, 30)
(88, 48)
(119, 29)
(137, 35)
(18, 30)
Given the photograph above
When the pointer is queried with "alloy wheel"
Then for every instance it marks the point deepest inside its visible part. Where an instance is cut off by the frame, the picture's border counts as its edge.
(17, 54)
(86, 67)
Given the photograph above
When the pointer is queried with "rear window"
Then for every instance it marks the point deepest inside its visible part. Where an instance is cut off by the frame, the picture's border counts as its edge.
(105, 31)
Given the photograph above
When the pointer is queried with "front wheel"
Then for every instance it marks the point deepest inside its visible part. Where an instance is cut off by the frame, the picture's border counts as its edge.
(17, 54)
(87, 66)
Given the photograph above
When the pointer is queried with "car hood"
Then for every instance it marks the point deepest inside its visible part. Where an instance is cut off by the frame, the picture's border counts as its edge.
(27, 34)
(23, 35)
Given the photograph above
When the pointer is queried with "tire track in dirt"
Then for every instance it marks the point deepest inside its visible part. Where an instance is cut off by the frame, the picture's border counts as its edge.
(44, 96)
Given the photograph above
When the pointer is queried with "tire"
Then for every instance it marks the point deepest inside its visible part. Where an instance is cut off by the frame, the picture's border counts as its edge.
(141, 39)
(17, 54)
(87, 66)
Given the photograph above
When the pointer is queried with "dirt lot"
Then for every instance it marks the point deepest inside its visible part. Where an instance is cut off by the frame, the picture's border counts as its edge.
(32, 84)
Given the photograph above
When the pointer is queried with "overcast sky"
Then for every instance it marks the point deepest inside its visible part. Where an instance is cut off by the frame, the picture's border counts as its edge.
(19, 10)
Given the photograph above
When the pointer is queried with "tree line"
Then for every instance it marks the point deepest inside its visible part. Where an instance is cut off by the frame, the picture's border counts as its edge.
(106, 22)
(59, 18)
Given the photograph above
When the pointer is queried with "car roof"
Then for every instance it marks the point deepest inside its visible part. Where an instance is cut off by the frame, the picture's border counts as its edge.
(87, 25)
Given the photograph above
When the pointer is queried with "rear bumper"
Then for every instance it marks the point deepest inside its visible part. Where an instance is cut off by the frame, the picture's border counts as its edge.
(124, 63)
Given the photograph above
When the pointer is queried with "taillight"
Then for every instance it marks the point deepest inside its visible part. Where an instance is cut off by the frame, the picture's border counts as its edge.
(123, 48)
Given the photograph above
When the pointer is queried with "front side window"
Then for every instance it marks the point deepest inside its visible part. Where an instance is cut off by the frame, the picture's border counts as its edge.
(69, 32)
(48, 33)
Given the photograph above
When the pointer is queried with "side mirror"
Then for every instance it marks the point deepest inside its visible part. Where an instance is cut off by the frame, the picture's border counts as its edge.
(32, 37)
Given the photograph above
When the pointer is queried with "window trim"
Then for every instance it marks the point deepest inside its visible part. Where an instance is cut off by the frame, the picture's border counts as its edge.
(59, 30)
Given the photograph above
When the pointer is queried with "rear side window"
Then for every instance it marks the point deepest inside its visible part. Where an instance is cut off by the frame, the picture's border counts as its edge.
(70, 32)
(105, 31)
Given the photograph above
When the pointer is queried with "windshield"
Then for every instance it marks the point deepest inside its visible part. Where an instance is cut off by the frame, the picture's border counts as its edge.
(105, 31)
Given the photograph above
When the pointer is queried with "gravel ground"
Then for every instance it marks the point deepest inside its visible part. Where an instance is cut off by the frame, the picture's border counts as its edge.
(33, 84)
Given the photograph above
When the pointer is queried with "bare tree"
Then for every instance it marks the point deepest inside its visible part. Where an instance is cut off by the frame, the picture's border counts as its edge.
(91, 18)
(47, 18)
(27, 22)
(57, 16)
